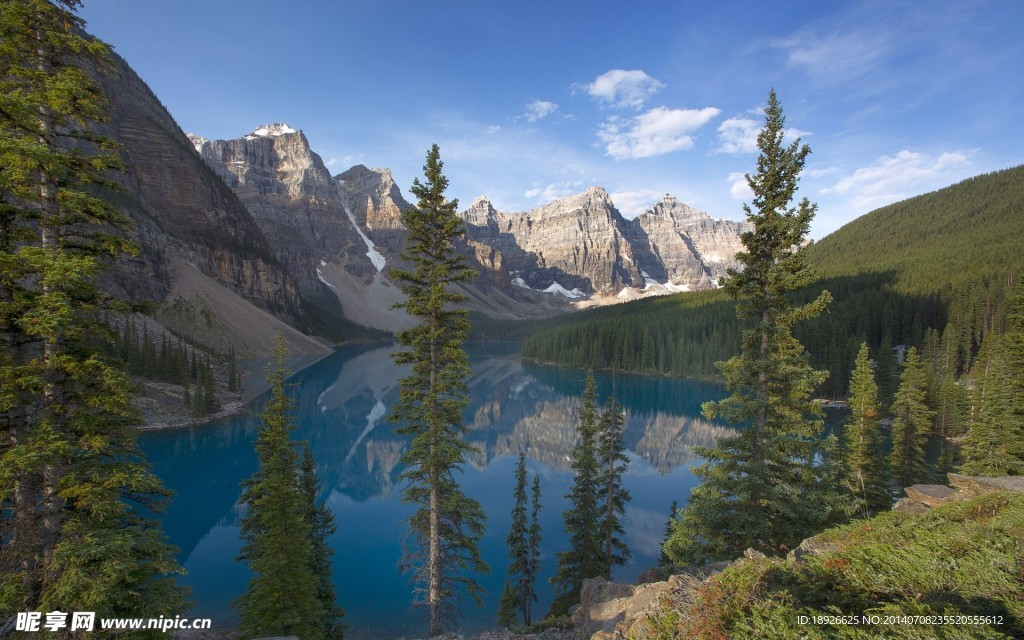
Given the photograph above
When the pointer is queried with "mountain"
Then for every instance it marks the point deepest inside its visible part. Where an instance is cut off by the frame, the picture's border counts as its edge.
(338, 234)
(297, 202)
(939, 266)
(317, 234)
(582, 246)
(687, 246)
(205, 267)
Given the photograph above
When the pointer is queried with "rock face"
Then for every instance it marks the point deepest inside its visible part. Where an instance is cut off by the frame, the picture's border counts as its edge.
(185, 216)
(682, 245)
(340, 232)
(293, 198)
(576, 242)
(377, 204)
(583, 243)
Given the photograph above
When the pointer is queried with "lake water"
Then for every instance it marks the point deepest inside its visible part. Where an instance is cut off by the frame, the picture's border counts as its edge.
(342, 404)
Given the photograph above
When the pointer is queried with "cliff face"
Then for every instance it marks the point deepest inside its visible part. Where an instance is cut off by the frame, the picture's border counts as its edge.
(576, 242)
(686, 246)
(293, 199)
(582, 243)
(377, 204)
(337, 236)
(183, 213)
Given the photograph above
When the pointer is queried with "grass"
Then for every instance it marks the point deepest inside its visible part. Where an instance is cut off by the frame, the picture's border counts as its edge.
(913, 575)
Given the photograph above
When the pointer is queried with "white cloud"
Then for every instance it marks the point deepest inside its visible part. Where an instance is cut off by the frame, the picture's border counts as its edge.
(622, 88)
(633, 203)
(831, 55)
(790, 134)
(492, 129)
(739, 135)
(656, 132)
(893, 178)
(739, 188)
(537, 110)
(553, 191)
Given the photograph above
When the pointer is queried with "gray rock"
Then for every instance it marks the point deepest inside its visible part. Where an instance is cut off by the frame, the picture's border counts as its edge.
(930, 495)
(183, 214)
(810, 547)
(974, 485)
(909, 506)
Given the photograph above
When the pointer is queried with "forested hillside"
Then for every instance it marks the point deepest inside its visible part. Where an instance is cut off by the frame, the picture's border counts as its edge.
(931, 269)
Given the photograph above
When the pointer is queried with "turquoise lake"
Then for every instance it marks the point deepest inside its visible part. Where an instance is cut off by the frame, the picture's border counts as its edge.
(342, 403)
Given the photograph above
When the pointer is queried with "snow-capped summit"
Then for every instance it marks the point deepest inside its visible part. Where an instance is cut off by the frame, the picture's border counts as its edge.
(197, 141)
(271, 130)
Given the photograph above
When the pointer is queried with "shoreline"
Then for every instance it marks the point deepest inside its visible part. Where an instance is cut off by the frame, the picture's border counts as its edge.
(161, 407)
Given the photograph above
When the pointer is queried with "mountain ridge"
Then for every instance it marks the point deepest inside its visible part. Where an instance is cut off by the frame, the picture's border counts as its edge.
(577, 250)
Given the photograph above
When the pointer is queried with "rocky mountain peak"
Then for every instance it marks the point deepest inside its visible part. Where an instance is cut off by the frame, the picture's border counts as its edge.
(593, 205)
(670, 207)
(197, 141)
(376, 204)
(273, 159)
(480, 212)
(271, 130)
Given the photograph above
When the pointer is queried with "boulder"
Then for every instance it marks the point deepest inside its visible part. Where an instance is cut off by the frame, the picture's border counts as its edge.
(908, 505)
(969, 486)
(810, 547)
(602, 606)
(930, 495)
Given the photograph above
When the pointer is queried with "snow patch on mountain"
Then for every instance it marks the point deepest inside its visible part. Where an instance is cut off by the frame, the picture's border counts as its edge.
(197, 141)
(375, 256)
(557, 289)
(270, 131)
(320, 275)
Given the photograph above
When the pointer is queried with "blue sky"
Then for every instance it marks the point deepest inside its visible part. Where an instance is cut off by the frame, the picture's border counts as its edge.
(534, 100)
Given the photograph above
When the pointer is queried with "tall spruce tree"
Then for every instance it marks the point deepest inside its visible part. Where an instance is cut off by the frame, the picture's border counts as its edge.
(1013, 344)
(533, 542)
(282, 596)
(752, 484)
(912, 423)
(584, 558)
(442, 549)
(869, 476)
(322, 527)
(673, 511)
(613, 463)
(71, 478)
(521, 552)
(995, 442)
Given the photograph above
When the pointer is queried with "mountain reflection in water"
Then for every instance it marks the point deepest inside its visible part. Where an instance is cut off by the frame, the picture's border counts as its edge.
(342, 403)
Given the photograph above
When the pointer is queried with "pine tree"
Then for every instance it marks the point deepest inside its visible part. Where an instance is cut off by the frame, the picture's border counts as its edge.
(673, 510)
(1014, 411)
(322, 527)
(869, 478)
(282, 597)
(912, 423)
(613, 464)
(533, 544)
(521, 568)
(445, 529)
(584, 559)
(995, 442)
(209, 388)
(232, 371)
(752, 484)
(886, 373)
(71, 478)
(507, 606)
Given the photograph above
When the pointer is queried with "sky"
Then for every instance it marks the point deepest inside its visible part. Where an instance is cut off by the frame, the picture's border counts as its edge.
(530, 101)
